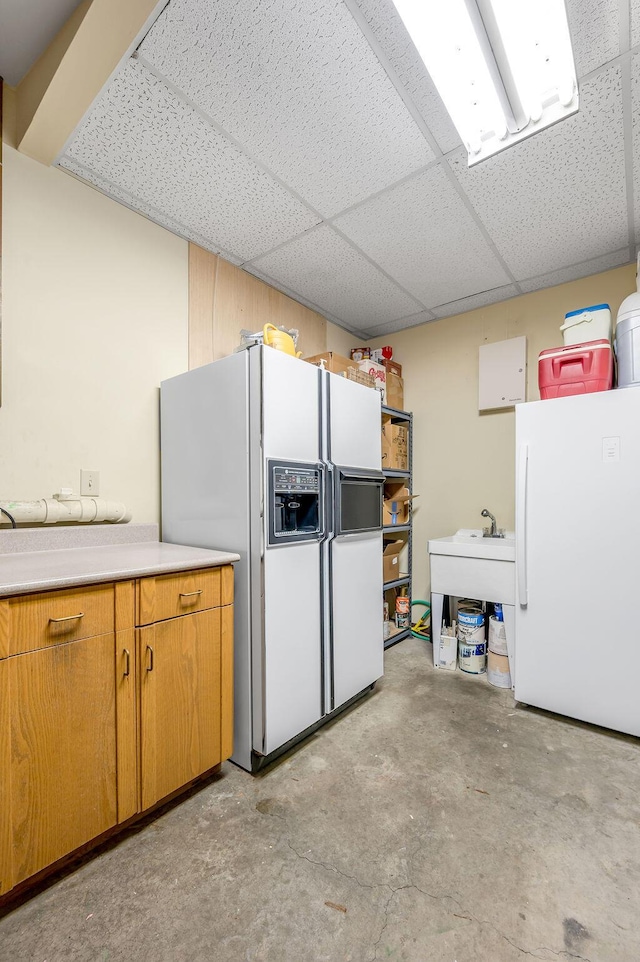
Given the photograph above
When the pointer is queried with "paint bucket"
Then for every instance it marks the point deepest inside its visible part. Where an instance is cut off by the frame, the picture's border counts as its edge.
(472, 646)
(497, 636)
(403, 611)
(498, 673)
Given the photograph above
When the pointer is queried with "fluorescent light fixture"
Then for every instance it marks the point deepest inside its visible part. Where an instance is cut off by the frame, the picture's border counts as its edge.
(504, 68)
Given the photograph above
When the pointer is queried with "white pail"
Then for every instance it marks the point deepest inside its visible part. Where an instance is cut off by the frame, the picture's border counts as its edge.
(497, 636)
(498, 670)
(472, 656)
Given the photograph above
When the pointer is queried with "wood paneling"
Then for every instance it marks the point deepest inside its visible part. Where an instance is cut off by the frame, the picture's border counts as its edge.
(202, 283)
(224, 300)
(168, 596)
(63, 747)
(179, 702)
(31, 620)
(125, 598)
(226, 589)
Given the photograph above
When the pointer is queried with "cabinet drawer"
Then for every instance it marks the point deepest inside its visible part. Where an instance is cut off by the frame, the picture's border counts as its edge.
(168, 596)
(30, 622)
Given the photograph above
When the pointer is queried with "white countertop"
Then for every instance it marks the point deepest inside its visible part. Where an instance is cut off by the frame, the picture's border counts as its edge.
(63, 567)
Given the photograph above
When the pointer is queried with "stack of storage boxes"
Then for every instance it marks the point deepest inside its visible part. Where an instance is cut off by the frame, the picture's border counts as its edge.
(395, 451)
(585, 363)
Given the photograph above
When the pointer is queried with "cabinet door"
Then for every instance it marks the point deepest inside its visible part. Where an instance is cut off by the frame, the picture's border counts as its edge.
(179, 664)
(63, 750)
(6, 869)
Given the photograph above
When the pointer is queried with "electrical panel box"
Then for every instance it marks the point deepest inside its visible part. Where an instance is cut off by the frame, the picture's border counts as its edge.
(502, 374)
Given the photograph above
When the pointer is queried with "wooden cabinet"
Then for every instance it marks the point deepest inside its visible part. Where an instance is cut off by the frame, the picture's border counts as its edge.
(103, 714)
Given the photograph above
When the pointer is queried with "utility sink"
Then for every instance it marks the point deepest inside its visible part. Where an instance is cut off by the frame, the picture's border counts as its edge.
(469, 565)
(466, 544)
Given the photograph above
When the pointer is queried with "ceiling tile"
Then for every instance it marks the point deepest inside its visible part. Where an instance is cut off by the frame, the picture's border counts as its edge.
(128, 200)
(595, 266)
(635, 22)
(424, 317)
(328, 272)
(635, 120)
(298, 85)
(146, 141)
(390, 32)
(476, 300)
(559, 197)
(595, 32)
(422, 234)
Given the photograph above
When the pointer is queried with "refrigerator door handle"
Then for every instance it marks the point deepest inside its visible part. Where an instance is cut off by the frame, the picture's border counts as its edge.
(521, 526)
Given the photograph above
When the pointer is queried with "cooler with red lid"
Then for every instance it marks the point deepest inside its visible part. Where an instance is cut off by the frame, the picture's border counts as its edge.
(575, 369)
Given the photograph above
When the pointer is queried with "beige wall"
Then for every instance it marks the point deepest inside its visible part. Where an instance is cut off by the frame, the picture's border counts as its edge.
(463, 460)
(339, 340)
(94, 316)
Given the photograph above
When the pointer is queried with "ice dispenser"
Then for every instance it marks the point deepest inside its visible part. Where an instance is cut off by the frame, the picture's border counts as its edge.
(295, 502)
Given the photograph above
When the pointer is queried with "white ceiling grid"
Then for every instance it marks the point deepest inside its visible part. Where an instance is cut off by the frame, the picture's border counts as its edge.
(327, 270)
(305, 141)
(301, 89)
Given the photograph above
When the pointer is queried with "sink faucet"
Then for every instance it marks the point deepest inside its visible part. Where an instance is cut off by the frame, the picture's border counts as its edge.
(493, 533)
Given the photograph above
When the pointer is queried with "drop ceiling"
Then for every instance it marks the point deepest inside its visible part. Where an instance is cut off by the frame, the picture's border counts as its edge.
(306, 143)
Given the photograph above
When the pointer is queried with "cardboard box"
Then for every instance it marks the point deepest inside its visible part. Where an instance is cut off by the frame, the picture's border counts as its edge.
(392, 367)
(396, 503)
(395, 391)
(333, 362)
(391, 559)
(379, 372)
(395, 452)
(344, 366)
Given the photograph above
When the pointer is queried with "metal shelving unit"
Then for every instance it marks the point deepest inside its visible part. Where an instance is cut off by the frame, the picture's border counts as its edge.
(405, 418)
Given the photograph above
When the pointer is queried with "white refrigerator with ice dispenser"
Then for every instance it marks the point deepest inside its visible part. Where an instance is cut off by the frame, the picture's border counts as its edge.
(268, 456)
(577, 628)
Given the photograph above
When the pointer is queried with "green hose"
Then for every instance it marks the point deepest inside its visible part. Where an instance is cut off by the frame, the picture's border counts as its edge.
(421, 626)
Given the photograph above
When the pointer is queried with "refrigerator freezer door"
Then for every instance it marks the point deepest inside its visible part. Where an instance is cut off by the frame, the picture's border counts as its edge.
(578, 537)
(354, 423)
(291, 657)
(356, 614)
(290, 407)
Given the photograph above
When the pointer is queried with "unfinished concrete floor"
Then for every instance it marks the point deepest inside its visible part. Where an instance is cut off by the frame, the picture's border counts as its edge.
(435, 822)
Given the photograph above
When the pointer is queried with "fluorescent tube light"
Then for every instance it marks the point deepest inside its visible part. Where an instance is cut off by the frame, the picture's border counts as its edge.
(504, 69)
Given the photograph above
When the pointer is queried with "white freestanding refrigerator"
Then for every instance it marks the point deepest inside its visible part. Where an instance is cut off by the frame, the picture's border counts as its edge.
(269, 456)
(577, 557)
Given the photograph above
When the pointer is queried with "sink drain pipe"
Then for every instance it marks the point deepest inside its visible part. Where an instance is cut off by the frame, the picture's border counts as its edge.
(65, 508)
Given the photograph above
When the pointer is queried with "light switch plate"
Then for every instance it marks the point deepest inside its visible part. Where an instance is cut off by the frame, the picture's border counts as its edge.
(89, 483)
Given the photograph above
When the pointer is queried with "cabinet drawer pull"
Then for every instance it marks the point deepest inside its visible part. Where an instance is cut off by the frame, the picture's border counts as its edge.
(190, 594)
(127, 661)
(67, 618)
(150, 661)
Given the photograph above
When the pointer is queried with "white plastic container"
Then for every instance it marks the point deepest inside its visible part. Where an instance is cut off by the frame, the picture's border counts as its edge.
(587, 324)
(497, 636)
(498, 673)
(628, 341)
